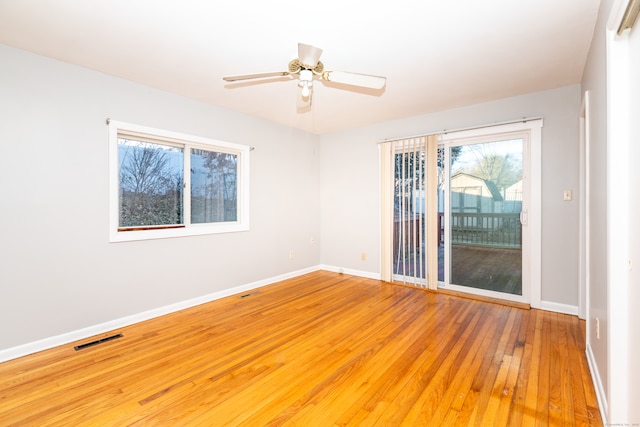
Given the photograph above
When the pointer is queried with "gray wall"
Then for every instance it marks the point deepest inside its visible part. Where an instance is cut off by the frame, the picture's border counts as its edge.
(614, 292)
(350, 183)
(595, 81)
(58, 272)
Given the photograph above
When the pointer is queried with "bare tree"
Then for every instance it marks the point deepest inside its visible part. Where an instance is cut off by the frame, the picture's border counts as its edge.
(502, 169)
(150, 186)
(214, 186)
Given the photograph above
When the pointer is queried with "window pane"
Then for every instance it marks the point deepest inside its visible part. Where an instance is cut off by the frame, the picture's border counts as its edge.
(151, 184)
(409, 255)
(485, 202)
(214, 182)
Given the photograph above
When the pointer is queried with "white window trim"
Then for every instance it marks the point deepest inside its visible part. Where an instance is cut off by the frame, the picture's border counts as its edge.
(188, 141)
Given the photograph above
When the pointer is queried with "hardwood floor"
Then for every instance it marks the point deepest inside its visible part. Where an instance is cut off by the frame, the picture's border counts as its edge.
(319, 350)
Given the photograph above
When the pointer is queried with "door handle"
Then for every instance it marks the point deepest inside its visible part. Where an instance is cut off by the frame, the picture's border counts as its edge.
(524, 217)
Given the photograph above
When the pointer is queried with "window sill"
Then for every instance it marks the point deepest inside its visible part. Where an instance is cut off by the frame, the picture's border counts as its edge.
(167, 233)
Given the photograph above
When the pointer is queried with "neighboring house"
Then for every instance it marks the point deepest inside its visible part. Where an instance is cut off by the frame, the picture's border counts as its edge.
(514, 192)
(474, 194)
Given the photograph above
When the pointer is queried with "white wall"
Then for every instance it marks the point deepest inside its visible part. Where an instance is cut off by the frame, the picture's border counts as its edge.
(623, 129)
(58, 272)
(633, 297)
(611, 78)
(350, 183)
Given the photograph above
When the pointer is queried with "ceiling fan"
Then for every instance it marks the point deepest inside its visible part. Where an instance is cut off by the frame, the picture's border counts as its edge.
(308, 67)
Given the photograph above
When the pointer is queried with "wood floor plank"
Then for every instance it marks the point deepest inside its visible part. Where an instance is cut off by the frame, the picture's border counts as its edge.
(531, 384)
(385, 368)
(544, 373)
(458, 392)
(527, 328)
(486, 383)
(567, 400)
(321, 349)
(392, 376)
(434, 396)
(507, 404)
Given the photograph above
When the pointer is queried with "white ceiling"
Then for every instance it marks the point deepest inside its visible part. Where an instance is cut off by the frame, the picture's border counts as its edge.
(436, 54)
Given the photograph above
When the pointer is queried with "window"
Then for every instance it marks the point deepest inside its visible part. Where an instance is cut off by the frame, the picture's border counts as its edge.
(166, 184)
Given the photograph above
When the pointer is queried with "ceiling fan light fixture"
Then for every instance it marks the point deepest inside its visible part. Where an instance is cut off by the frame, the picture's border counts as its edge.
(305, 91)
(306, 75)
(306, 81)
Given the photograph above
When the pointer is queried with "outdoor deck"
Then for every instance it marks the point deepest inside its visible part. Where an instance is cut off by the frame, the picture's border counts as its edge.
(495, 269)
(485, 250)
(480, 267)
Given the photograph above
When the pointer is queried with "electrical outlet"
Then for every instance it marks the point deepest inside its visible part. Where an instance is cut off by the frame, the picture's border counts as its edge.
(363, 256)
(290, 253)
(567, 195)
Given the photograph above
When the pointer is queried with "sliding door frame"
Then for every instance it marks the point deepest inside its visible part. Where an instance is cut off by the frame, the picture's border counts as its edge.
(532, 212)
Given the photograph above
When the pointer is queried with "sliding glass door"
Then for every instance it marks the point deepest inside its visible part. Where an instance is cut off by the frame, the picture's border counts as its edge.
(409, 251)
(481, 192)
(463, 213)
(409, 194)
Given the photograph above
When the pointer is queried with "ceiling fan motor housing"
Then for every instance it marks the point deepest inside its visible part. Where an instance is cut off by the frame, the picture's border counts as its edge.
(295, 66)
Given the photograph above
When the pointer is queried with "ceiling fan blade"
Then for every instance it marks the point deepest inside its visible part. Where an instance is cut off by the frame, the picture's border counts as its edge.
(309, 55)
(355, 79)
(255, 76)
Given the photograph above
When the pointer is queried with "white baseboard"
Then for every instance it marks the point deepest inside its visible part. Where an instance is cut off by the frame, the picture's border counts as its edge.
(559, 308)
(544, 305)
(47, 343)
(597, 383)
(359, 273)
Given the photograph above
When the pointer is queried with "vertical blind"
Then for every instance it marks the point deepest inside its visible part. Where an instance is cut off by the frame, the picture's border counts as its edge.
(409, 210)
